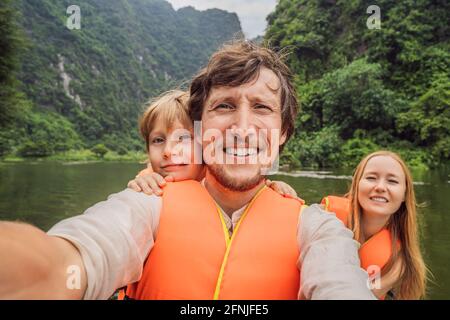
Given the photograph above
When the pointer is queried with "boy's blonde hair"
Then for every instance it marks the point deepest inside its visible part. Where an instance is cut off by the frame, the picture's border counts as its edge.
(169, 107)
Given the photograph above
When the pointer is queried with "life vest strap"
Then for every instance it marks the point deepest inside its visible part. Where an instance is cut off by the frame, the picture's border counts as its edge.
(229, 241)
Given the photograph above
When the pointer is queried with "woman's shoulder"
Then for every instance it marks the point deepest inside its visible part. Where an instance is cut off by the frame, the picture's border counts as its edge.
(316, 222)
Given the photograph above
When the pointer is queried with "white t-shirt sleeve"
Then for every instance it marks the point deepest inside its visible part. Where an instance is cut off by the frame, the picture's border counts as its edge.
(114, 238)
(329, 260)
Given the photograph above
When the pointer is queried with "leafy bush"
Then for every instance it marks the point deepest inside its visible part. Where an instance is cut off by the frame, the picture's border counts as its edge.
(355, 149)
(100, 150)
(316, 149)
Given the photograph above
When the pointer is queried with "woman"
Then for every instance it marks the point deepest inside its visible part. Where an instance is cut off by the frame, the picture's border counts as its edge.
(382, 205)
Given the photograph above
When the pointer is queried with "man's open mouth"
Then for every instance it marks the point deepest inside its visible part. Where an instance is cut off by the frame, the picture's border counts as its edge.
(241, 152)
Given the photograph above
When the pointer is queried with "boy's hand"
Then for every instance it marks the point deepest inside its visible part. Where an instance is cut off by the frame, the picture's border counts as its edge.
(282, 188)
(151, 183)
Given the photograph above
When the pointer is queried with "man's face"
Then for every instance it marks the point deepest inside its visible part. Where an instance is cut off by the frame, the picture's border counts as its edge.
(241, 125)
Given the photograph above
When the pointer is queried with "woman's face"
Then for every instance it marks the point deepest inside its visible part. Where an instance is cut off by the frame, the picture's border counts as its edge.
(171, 152)
(382, 187)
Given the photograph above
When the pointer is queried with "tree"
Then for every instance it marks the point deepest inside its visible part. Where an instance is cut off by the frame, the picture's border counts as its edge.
(350, 98)
(11, 43)
(100, 150)
(375, 88)
(427, 123)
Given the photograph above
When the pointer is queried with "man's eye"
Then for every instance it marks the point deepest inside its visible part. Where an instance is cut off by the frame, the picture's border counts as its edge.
(224, 106)
(263, 107)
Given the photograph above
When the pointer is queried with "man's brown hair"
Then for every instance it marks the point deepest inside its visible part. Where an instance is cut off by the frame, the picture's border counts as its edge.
(238, 63)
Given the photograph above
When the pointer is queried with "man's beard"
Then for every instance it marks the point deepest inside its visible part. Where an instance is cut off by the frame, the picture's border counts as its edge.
(231, 183)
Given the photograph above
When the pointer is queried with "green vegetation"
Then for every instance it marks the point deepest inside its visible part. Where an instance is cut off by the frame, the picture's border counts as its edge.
(361, 89)
(77, 94)
(83, 155)
(71, 90)
(90, 155)
(99, 150)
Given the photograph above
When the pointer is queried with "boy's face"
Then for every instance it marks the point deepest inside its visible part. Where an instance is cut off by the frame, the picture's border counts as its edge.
(171, 151)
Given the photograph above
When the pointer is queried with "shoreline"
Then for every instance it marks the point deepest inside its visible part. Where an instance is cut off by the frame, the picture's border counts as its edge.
(80, 156)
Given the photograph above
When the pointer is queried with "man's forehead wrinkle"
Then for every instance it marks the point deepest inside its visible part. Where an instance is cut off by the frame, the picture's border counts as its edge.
(267, 74)
(273, 86)
(255, 94)
(271, 80)
(256, 89)
(217, 95)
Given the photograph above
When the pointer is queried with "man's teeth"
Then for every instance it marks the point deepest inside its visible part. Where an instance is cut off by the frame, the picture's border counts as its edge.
(379, 199)
(241, 152)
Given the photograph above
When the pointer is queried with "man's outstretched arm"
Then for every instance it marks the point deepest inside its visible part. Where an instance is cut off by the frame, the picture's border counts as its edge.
(109, 243)
(34, 265)
(329, 260)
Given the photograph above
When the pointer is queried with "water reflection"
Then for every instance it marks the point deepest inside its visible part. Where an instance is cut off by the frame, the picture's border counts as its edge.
(43, 193)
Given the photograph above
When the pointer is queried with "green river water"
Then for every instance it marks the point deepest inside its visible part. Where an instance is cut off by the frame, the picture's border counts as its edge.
(42, 193)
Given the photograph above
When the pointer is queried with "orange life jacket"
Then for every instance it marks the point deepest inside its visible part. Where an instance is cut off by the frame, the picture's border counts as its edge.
(195, 258)
(374, 252)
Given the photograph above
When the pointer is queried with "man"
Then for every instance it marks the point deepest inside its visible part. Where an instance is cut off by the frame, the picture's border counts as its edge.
(226, 238)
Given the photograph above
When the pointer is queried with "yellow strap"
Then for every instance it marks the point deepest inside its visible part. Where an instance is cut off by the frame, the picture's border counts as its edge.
(327, 204)
(229, 241)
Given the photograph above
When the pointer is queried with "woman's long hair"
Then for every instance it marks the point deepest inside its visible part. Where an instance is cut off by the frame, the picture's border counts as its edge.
(402, 226)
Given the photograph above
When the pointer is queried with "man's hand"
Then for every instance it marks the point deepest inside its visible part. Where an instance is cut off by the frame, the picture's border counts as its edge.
(34, 265)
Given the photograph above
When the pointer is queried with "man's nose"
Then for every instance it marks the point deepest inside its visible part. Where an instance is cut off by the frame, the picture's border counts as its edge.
(243, 126)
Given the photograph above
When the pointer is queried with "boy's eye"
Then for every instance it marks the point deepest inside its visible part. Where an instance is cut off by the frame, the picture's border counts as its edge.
(157, 140)
(184, 137)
